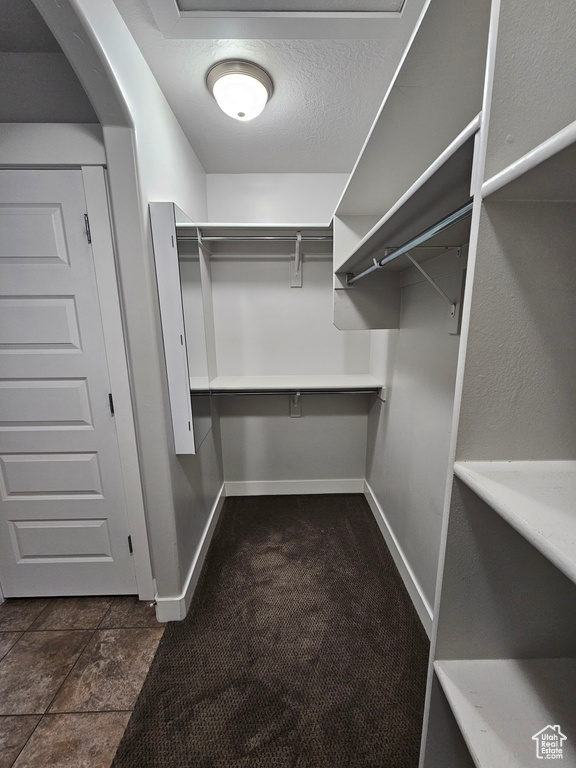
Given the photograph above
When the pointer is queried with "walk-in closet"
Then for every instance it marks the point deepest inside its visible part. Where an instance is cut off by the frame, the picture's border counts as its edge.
(342, 402)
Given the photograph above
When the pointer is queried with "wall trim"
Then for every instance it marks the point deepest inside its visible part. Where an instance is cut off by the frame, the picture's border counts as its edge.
(408, 576)
(291, 487)
(104, 257)
(175, 608)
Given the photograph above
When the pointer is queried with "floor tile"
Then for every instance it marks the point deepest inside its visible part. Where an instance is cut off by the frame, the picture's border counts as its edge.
(14, 733)
(110, 672)
(128, 611)
(73, 613)
(76, 740)
(32, 672)
(17, 614)
(7, 640)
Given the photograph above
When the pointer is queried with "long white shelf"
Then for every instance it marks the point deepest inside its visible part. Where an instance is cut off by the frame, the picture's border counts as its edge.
(295, 383)
(500, 704)
(538, 498)
(440, 190)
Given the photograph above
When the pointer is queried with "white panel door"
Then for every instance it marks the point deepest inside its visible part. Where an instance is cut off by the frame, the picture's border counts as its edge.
(63, 521)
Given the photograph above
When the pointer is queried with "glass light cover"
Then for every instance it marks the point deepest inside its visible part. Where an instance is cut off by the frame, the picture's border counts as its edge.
(240, 96)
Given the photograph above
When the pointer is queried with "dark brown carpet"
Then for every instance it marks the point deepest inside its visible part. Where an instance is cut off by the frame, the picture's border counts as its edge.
(301, 649)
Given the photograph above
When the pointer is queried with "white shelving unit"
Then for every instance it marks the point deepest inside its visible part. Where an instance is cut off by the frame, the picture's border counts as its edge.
(504, 656)
(538, 498)
(363, 383)
(415, 168)
(441, 189)
(500, 704)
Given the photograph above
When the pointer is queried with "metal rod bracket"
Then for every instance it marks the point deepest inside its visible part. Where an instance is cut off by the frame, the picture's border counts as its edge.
(295, 405)
(296, 265)
(433, 283)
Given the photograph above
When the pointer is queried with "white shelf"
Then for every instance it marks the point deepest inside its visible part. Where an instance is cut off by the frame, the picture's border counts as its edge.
(295, 383)
(436, 90)
(248, 225)
(499, 704)
(440, 190)
(538, 498)
(544, 173)
(199, 383)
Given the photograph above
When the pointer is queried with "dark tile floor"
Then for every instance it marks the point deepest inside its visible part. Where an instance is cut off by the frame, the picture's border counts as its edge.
(71, 669)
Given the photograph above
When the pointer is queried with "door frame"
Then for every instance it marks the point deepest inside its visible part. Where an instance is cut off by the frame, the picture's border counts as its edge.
(103, 253)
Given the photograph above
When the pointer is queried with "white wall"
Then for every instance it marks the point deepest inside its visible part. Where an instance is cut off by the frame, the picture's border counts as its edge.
(409, 435)
(149, 159)
(265, 198)
(51, 144)
(264, 327)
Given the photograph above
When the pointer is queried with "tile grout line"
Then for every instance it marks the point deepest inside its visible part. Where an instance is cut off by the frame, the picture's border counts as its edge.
(42, 714)
(46, 712)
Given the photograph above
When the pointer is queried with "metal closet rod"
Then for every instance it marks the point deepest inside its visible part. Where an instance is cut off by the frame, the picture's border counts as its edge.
(255, 238)
(435, 229)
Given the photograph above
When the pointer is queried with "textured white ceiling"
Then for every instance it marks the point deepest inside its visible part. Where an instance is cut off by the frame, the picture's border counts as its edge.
(327, 93)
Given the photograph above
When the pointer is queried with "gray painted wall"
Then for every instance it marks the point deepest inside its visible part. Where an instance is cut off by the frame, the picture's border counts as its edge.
(409, 435)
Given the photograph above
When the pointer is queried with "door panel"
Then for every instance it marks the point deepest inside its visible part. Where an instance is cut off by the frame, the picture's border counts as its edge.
(63, 521)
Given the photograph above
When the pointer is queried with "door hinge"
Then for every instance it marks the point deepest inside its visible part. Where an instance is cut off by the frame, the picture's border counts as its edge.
(111, 403)
(87, 226)
(130, 545)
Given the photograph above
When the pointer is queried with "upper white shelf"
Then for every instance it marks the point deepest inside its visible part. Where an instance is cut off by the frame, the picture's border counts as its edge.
(538, 498)
(440, 190)
(545, 173)
(436, 91)
(295, 383)
(248, 225)
(501, 704)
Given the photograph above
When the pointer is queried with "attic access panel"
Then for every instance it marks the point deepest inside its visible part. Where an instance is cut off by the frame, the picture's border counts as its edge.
(303, 7)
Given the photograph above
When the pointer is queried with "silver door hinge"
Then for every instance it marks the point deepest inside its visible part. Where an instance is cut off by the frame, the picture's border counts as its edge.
(87, 227)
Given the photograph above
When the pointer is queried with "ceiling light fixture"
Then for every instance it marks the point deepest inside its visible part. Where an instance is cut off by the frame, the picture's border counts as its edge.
(240, 88)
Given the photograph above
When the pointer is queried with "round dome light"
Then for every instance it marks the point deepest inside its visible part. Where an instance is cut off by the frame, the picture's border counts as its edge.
(240, 88)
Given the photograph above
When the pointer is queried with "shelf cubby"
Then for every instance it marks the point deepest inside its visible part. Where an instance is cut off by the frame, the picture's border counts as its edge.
(518, 385)
(500, 704)
(538, 498)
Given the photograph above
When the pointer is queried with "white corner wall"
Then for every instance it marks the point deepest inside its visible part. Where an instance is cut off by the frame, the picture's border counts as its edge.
(266, 198)
(149, 159)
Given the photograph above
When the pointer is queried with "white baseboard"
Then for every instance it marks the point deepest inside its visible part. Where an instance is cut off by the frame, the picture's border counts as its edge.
(291, 487)
(408, 576)
(176, 608)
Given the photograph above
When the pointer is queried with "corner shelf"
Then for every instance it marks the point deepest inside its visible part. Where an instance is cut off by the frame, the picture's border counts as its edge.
(440, 190)
(537, 498)
(500, 704)
(304, 384)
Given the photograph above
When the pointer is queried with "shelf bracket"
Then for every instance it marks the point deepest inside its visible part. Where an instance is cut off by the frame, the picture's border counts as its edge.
(296, 265)
(433, 284)
(295, 405)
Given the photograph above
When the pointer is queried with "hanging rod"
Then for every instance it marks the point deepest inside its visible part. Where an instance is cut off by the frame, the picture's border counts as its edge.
(435, 229)
(255, 238)
(294, 391)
